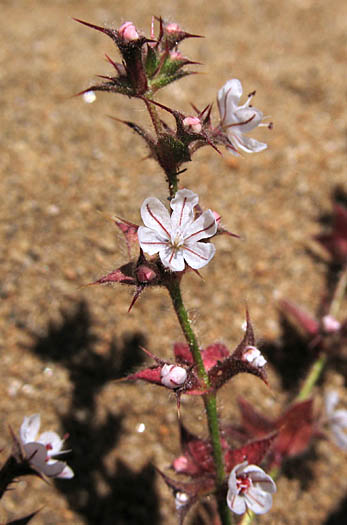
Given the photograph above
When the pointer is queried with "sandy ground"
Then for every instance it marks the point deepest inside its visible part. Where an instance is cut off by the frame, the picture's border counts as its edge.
(62, 161)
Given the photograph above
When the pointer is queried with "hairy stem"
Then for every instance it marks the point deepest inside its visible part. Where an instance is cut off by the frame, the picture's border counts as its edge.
(209, 399)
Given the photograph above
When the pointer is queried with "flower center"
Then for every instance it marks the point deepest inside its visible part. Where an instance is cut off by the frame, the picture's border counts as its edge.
(178, 240)
(243, 483)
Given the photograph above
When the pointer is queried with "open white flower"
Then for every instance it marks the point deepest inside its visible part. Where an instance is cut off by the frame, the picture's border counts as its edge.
(249, 487)
(336, 419)
(177, 237)
(237, 120)
(40, 450)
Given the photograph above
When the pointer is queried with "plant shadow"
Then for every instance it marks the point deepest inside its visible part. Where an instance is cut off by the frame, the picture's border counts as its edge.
(100, 495)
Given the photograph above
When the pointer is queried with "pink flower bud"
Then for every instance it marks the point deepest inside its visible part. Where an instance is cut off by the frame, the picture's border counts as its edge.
(176, 55)
(254, 356)
(173, 376)
(193, 124)
(145, 274)
(128, 32)
(330, 324)
(172, 28)
(181, 499)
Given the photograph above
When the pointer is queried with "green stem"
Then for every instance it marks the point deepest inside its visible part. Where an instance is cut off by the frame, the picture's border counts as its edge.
(312, 377)
(209, 399)
(318, 366)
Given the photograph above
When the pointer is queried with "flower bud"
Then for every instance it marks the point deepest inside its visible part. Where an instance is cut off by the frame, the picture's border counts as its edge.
(128, 32)
(254, 356)
(145, 274)
(192, 124)
(173, 376)
(181, 499)
(330, 324)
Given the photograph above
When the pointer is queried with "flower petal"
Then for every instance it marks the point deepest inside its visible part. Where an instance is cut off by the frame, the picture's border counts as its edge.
(156, 216)
(339, 436)
(228, 100)
(151, 241)
(258, 500)
(30, 428)
(52, 442)
(203, 227)
(36, 454)
(245, 143)
(198, 254)
(172, 259)
(236, 503)
(248, 118)
(67, 473)
(183, 208)
(259, 477)
(331, 400)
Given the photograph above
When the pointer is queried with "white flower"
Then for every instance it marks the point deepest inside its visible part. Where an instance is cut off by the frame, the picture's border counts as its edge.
(254, 356)
(336, 419)
(176, 237)
(173, 376)
(249, 487)
(237, 120)
(40, 450)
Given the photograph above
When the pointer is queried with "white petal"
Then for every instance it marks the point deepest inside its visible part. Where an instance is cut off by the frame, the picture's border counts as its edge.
(150, 241)
(339, 417)
(245, 143)
(249, 118)
(258, 500)
(183, 208)
(198, 254)
(156, 216)
(52, 440)
(339, 436)
(331, 400)
(236, 503)
(259, 478)
(67, 473)
(205, 226)
(228, 100)
(53, 469)
(30, 428)
(36, 454)
(172, 259)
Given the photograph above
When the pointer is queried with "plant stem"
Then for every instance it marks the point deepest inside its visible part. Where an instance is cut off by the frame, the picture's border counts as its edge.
(209, 398)
(318, 365)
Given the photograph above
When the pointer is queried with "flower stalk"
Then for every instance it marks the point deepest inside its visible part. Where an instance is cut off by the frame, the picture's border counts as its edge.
(209, 399)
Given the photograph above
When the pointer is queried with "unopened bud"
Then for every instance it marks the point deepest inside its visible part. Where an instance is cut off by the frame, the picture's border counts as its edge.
(193, 124)
(173, 376)
(330, 324)
(254, 356)
(181, 499)
(145, 274)
(128, 32)
(173, 28)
